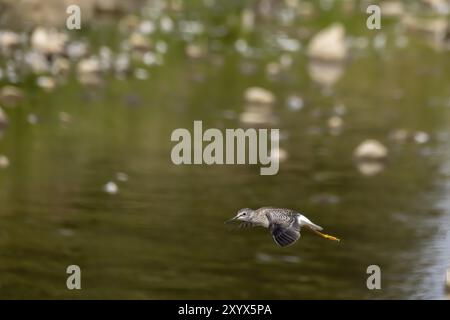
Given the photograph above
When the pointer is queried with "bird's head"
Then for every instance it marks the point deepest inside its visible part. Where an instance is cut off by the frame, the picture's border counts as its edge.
(245, 214)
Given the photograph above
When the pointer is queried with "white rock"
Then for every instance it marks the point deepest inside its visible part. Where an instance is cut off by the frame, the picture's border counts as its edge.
(46, 83)
(64, 117)
(8, 40)
(76, 49)
(392, 8)
(166, 24)
(195, 51)
(147, 27)
(138, 41)
(335, 122)
(259, 95)
(48, 41)
(89, 71)
(111, 188)
(294, 102)
(329, 44)
(141, 74)
(421, 137)
(4, 161)
(89, 65)
(247, 20)
(10, 96)
(37, 61)
(371, 150)
(32, 118)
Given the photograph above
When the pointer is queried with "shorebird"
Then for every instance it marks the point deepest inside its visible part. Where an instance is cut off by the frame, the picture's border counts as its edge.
(283, 224)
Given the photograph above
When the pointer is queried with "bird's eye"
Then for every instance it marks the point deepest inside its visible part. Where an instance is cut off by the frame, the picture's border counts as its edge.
(244, 214)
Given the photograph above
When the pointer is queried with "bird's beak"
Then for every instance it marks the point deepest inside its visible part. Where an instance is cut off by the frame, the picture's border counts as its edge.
(232, 219)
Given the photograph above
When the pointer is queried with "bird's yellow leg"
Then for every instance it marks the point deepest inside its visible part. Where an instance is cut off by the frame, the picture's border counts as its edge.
(326, 236)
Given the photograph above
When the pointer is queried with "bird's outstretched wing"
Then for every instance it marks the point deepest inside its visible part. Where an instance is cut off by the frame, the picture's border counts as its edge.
(284, 233)
(245, 224)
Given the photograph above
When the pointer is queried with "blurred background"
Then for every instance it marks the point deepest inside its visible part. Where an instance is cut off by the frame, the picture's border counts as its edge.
(86, 176)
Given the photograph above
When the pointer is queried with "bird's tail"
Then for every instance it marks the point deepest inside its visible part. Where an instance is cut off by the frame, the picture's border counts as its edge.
(326, 236)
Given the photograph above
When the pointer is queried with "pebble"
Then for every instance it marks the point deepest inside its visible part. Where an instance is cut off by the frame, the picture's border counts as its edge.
(4, 161)
(32, 118)
(421, 137)
(10, 96)
(371, 150)
(329, 44)
(46, 83)
(294, 103)
(111, 188)
(259, 95)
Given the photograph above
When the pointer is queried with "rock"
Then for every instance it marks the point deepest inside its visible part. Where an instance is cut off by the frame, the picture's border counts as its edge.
(247, 20)
(89, 65)
(8, 41)
(122, 63)
(329, 44)
(147, 27)
(195, 51)
(111, 188)
(273, 69)
(109, 6)
(88, 71)
(76, 50)
(392, 8)
(257, 95)
(139, 42)
(335, 124)
(294, 103)
(37, 61)
(288, 44)
(439, 6)
(10, 96)
(141, 74)
(51, 13)
(64, 117)
(3, 119)
(166, 24)
(60, 66)
(128, 23)
(436, 28)
(46, 83)
(421, 137)
(32, 118)
(48, 41)
(372, 150)
(4, 162)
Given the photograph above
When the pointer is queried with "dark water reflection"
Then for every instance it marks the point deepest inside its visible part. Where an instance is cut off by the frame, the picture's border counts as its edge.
(162, 234)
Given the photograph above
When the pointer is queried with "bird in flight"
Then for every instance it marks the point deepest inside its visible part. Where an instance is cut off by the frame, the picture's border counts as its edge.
(283, 224)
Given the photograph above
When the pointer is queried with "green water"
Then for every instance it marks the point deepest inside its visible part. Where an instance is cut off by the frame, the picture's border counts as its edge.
(162, 235)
